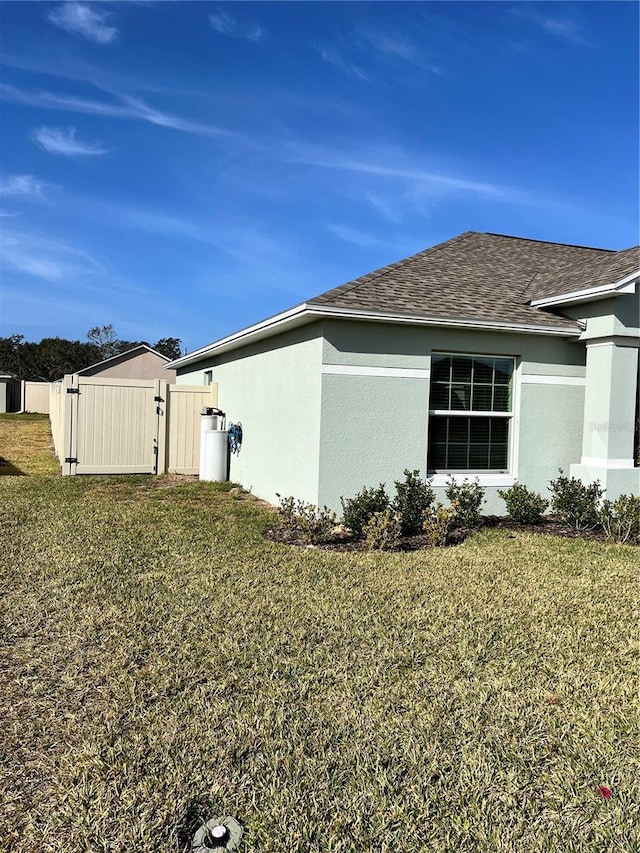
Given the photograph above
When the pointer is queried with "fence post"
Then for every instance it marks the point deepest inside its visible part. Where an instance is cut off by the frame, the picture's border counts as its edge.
(162, 390)
(69, 437)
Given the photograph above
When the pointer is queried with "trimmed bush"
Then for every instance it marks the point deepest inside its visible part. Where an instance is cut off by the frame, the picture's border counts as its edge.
(466, 498)
(311, 523)
(523, 505)
(436, 524)
(357, 511)
(383, 531)
(574, 502)
(620, 519)
(413, 497)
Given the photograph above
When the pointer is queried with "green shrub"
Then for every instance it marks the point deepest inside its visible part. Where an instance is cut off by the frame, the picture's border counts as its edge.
(620, 519)
(383, 531)
(287, 513)
(523, 505)
(575, 503)
(357, 511)
(467, 498)
(413, 497)
(436, 524)
(311, 523)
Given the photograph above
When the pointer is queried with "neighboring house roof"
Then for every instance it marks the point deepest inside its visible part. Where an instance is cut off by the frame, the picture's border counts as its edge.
(123, 356)
(475, 280)
(603, 273)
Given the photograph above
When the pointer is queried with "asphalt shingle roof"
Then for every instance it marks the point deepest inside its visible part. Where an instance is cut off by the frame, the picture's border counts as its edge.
(475, 276)
(610, 269)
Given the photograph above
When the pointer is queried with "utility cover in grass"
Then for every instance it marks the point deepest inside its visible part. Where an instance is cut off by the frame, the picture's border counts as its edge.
(219, 833)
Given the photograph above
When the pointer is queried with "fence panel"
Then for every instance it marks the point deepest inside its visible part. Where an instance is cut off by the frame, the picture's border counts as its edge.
(127, 426)
(56, 415)
(35, 397)
(184, 403)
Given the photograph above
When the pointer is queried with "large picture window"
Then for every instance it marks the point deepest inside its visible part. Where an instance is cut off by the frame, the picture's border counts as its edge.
(471, 405)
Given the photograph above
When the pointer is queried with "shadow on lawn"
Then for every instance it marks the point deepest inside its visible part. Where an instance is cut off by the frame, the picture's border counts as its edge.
(8, 469)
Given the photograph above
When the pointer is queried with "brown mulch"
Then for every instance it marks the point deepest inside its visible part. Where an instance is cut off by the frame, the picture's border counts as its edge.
(342, 540)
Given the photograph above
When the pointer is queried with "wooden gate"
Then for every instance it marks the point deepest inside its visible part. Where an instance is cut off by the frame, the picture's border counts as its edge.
(127, 426)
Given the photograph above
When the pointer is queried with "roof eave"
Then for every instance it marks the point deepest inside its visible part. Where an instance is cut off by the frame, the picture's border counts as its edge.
(308, 312)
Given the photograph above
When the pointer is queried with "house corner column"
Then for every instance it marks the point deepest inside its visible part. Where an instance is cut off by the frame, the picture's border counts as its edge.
(609, 413)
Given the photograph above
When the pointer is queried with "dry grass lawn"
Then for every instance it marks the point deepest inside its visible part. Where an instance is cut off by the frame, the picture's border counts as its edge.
(163, 663)
(25, 445)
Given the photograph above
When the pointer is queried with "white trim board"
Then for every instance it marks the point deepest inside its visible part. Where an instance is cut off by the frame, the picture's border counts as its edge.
(386, 372)
(540, 379)
(597, 462)
(439, 481)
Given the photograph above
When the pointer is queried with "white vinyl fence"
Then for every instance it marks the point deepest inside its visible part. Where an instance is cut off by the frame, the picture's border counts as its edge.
(34, 397)
(127, 426)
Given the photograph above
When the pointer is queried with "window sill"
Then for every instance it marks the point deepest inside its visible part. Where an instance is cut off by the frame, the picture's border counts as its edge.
(501, 481)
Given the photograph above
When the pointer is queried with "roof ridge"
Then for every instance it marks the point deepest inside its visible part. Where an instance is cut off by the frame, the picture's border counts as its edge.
(372, 276)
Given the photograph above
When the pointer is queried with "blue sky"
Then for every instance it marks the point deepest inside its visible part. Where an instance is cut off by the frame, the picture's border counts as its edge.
(185, 169)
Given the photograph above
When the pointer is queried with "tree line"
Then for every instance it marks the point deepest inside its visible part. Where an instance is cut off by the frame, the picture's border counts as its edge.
(51, 358)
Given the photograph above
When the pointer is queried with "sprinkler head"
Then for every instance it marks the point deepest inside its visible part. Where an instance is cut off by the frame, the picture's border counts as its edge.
(219, 833)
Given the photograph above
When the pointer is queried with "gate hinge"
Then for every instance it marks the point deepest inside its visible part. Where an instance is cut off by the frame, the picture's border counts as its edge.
(73, 459)
(73, 390)
(158, 400)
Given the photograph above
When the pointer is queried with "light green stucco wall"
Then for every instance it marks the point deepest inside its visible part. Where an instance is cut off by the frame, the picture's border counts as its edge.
(550, 434)
(375, 427)
(372, 429)
(321, 435)
(273, 389)
(623, 308)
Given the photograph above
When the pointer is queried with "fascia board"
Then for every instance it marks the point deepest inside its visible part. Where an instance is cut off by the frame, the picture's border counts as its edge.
(457, 323)
(244, 336)
(307, 313)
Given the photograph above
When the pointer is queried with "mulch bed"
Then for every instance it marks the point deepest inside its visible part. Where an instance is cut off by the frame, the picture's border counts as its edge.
(342, 540)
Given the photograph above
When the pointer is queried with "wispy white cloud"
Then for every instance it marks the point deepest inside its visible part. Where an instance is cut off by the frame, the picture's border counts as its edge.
(338, 61)
(24, 187)
(396, 45)
(57, 140)
(352, 236)
(223, 22)
(391, 164)
(86, 21)
(383, 205)
(45, 258)
(126, 107)
(565, 26)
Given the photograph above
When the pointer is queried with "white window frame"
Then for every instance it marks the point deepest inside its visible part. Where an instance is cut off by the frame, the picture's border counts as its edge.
(487, 477)
(208, 376)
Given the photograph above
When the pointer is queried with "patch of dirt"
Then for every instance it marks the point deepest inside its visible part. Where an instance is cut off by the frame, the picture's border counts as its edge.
(342, 540)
